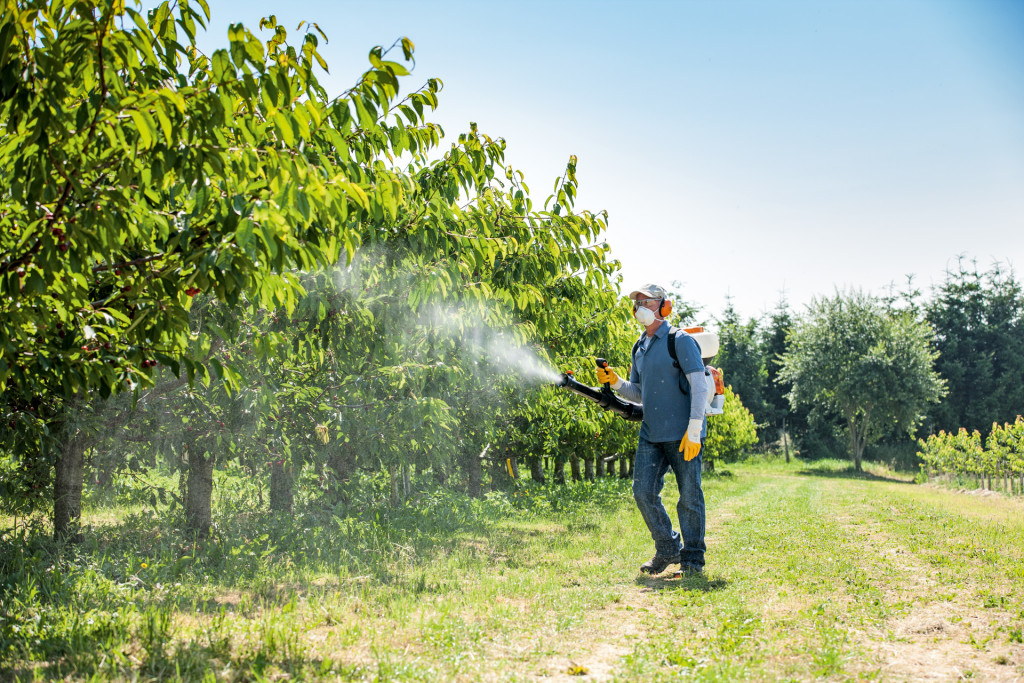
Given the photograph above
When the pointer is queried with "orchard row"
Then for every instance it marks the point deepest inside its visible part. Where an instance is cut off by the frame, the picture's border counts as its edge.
(207, 259)
(997, 460)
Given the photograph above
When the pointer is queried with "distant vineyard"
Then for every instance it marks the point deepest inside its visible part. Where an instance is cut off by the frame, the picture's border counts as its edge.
(999, 461)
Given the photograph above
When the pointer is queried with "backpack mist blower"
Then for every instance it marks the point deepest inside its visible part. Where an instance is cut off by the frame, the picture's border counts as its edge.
(604, 397)
(707, 342)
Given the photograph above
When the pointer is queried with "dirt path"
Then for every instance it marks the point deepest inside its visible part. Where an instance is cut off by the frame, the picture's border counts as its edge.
(612, 632)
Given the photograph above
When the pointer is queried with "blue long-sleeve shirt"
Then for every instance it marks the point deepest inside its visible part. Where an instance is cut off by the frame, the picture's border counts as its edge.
(655, 382)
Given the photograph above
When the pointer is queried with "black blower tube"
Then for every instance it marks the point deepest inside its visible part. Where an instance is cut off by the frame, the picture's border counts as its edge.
(604, 397)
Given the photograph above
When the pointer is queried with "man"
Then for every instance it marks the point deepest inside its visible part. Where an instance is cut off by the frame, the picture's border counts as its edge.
(674, 395)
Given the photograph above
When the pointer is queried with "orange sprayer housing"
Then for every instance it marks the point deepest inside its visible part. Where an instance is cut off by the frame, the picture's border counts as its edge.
(719, 382)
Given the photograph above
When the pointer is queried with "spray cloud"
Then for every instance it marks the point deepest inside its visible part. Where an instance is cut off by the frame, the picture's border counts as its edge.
(490, 350)
(494, 349)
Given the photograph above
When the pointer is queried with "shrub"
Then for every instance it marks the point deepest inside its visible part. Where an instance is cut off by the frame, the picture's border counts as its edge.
(731, 432)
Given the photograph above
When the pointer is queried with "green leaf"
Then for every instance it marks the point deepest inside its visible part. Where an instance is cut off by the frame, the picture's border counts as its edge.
(243, 235)
(165, 123)
(223, 71)
(396, 68)
(407, 48)
(283, 126)
(145, 127)
(374, 57)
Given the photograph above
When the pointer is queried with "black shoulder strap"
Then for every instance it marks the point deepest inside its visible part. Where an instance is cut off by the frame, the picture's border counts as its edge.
(672, 348)
(632, 354)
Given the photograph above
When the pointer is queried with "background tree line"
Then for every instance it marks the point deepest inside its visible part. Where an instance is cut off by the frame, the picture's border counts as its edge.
(973, 322)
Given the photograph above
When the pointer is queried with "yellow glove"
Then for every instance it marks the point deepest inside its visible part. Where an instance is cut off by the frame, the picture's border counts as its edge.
(689, 449)
(690, 445)
(607, 376)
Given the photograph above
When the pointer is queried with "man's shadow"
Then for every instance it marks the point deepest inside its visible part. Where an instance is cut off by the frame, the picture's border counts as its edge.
(680, 581)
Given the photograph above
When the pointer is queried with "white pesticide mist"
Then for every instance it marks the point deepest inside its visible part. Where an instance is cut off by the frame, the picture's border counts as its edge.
(491, 349)
(520, 360)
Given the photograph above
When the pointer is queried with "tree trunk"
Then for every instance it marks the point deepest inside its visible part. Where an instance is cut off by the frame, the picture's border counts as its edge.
(199, 493)
(574, 467)
(624, 468)
(103, 478)
(785, 439)
(67, 489)
(440, 474)
(406, 481)
(395, 496)
(852, 426)
(475, 474)
(598, 467)
(281, 482)
(537, 469)
(857, 434)
(499, 471)
(340, 464)
(588, 469)
(559, 470)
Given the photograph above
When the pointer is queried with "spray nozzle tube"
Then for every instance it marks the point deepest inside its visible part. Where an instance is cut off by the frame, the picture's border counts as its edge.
(604, 397)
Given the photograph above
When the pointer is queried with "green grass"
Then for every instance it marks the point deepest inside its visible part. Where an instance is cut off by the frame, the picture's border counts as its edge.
(814, 572)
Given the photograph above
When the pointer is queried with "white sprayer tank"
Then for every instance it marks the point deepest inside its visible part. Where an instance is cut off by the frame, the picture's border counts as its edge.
(708, 343)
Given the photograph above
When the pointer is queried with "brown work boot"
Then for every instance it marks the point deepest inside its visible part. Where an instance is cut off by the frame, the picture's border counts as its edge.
(658, 564)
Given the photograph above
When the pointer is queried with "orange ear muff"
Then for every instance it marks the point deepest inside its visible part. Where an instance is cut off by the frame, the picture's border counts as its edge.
(666, 308)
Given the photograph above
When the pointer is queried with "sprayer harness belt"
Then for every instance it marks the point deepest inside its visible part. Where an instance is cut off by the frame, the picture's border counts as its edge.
(670, 401)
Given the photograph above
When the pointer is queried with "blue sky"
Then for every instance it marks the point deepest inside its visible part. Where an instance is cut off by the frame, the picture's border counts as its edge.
(740, 148)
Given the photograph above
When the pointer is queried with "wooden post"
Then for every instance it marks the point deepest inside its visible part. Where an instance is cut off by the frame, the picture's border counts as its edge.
(785, 438)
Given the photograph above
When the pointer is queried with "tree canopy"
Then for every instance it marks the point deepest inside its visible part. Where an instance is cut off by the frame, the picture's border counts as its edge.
(871, 366)
(139, 176)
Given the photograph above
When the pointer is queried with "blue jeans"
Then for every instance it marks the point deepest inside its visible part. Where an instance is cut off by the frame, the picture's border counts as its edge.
(649, 467)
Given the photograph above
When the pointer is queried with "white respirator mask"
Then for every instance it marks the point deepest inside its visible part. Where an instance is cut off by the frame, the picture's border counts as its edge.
(644, 315)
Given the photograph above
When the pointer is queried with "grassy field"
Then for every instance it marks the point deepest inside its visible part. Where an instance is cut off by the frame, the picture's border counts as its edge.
(812, 574)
